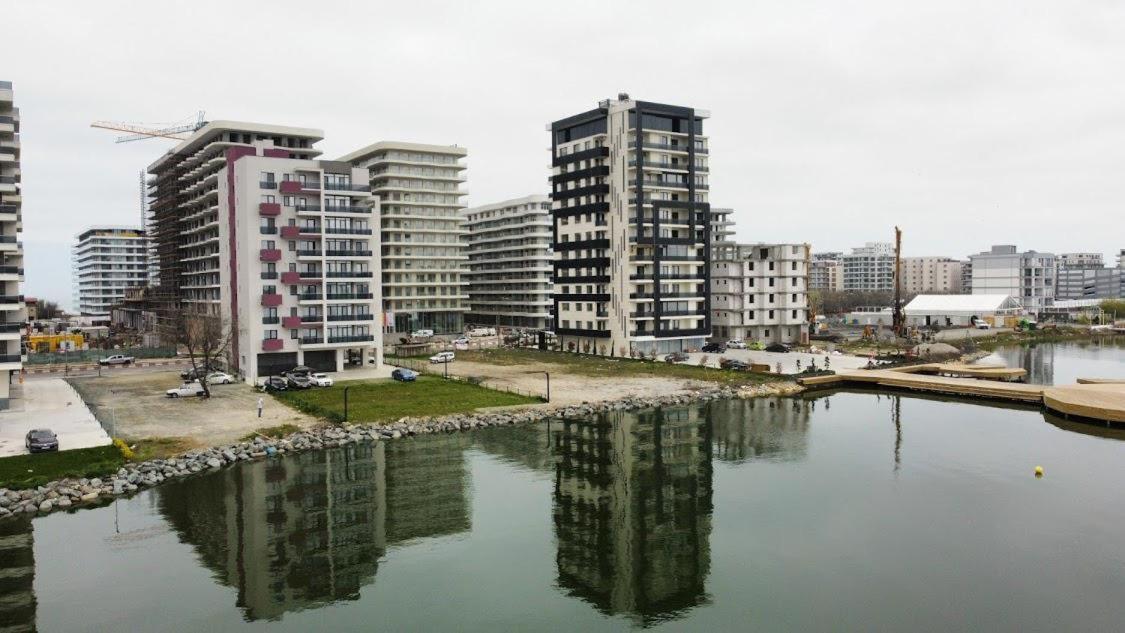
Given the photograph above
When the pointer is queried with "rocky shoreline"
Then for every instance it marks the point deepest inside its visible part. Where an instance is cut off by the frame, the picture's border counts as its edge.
(67, 494)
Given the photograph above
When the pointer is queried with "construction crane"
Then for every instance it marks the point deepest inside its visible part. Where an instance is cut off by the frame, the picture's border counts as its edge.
(177, 131)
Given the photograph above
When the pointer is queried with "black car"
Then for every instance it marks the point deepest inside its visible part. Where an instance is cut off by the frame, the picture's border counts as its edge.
(715, 348)
(733, 365)
(676, 357)
(298, 381)
(777, 347)
(275, 383)
(41, 441)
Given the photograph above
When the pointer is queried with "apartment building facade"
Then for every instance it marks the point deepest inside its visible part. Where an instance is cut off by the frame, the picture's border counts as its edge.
(424, 258)
(826, 272)
(1028, 276)
(869, 268)
(13, 312)
(759, 292)
(510, 263)
(632, 228)
(106, 261)
(279, 245)
(931, 275)
(1084, 276)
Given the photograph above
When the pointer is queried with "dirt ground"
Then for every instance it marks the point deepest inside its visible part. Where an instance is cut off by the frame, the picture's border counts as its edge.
(136, 404)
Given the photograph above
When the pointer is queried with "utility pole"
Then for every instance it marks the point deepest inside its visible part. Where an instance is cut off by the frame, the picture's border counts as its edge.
(897, 317)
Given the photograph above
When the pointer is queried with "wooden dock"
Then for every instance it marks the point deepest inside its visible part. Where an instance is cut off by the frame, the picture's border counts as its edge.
(1098, 399)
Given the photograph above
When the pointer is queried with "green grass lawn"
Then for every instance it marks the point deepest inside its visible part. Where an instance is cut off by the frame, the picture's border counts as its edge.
(601, 366)
(387, 400)
(28, 471)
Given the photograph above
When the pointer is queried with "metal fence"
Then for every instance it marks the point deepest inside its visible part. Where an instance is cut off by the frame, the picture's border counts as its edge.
(441, 369)
(94, 355)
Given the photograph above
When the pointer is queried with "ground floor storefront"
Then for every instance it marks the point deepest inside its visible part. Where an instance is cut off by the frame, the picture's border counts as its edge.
(319, 360)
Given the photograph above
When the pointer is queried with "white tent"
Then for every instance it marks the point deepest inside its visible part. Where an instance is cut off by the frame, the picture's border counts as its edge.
(959, 310)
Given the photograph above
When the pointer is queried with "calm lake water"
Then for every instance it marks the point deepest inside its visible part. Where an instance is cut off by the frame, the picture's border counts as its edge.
(847, 511)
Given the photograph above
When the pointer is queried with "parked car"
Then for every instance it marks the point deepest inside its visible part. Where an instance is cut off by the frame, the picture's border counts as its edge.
(275, 383)
(41, 441)
(300, 370)
(981, 325)
(322, 380)
(219, 378)
(186, 389)
(777, 347)
(194, 374)
(714, 348)
(464, 340)
(117, 359)
(422, 333)
(404, 375)
(482, 331)
(676, 357)
(736, 344)
(733, 365)
(442, 357)
(298, 381)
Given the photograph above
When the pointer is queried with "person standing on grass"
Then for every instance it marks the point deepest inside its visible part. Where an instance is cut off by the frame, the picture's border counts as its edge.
(261, 403)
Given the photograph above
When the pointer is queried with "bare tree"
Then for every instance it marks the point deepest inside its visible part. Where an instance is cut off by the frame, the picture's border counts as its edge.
(205, 338)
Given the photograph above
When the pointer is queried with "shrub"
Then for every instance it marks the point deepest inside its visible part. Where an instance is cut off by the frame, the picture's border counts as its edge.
(126, 452)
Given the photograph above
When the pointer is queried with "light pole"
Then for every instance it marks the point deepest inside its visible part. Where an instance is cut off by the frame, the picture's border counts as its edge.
(548, 375)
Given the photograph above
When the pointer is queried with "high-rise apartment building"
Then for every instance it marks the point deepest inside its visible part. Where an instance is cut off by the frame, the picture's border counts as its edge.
(759, 292)
(931, 275)
(278, 244)
(1028, 276)
(632, 228)
(13, 313)
(423, 249)
(870, 268)
(826, 272)
(1084, 276)
(509, 247)
(105, 261)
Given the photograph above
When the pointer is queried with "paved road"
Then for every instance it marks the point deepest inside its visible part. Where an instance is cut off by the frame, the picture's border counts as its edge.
(48, 403)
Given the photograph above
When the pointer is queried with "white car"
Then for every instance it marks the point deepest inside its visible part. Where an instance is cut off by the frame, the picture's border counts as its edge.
(442, 357)
(219, 378)
(464, 340)
(736, 344)
(321, 380)
(422, 333)
(982, 325)
(185, 390)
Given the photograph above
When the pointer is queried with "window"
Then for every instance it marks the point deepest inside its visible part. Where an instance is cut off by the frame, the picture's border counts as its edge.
(271, 335)
(268, 245)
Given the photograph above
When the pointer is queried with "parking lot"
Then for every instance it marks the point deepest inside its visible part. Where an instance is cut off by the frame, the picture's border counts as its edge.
(48, 403)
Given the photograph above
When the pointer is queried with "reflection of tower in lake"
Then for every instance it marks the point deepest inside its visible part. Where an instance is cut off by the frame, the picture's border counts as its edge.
(633, 509)
(17, 575)
(308, 530)
(760, 428)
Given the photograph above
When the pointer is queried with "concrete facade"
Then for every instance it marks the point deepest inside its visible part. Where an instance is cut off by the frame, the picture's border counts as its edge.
(422, 232)
(826, 272)
(510, 254)
(1027, 276)
(13, 312)
(106, 261)
(632, 228)
(869, 268)
(759, 292)
(933, 275)
(1084, 276)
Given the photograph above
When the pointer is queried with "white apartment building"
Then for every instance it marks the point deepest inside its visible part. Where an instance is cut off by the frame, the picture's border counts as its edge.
(510, 255)
(13, 312)
(759, 292)
(870, 268)
(722, 226)
(278, 244)
(424, 255)
(105, 261)
(632, 228)
(1028, 276)
(931, 275)
(826, 272)
(1084, 276)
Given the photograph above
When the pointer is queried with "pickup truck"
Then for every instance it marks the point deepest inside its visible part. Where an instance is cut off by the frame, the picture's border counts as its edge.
(117, 359)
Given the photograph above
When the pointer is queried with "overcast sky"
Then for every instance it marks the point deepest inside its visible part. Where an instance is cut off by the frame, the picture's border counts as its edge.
(966, 123)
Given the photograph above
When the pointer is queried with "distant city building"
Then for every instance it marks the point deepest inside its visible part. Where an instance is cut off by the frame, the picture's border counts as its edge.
(106, 261)
(424, 258)
(826, 272)
(13, 313)
(931, 275)
(967, 277)
(1084, 276)
(759, 292)
(870, 268)
(1027, 276)
(632, 228)
(510, 263)
(722, 226)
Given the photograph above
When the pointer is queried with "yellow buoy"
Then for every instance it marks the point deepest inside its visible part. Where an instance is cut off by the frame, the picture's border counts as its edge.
(1038, 471)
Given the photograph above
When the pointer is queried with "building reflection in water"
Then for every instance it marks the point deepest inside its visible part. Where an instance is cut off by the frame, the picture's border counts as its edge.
(760, 428)
(307, 530)
(17, 576)
(632, 511)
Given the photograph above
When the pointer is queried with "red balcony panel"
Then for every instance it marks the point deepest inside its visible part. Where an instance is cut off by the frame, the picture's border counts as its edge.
(272, 344)
(269, 209)
(271, 301)
(291, 322)
(291, 277)
(270, 255)
(290, 232)
(289, 186)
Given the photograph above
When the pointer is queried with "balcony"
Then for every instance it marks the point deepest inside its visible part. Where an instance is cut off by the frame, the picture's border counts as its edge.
(348, 273)
(312, 319)
(291, 322)
(267, 230)
(346, 209)
(10, 328)
(290, 186)
(309, 253)
(309, 296)
(308, 230)
(269, 274)
(270, 320)
(269, 209)
(350, 295)
(269, 255)
(311, 340)
(267, 184)
(291, 277)
(351, 317)
(271, 300)
(361, 338)
(11, 358)
(272, 344)
(290, 232)
(347, 253)
(312, 274)
(346, 186)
